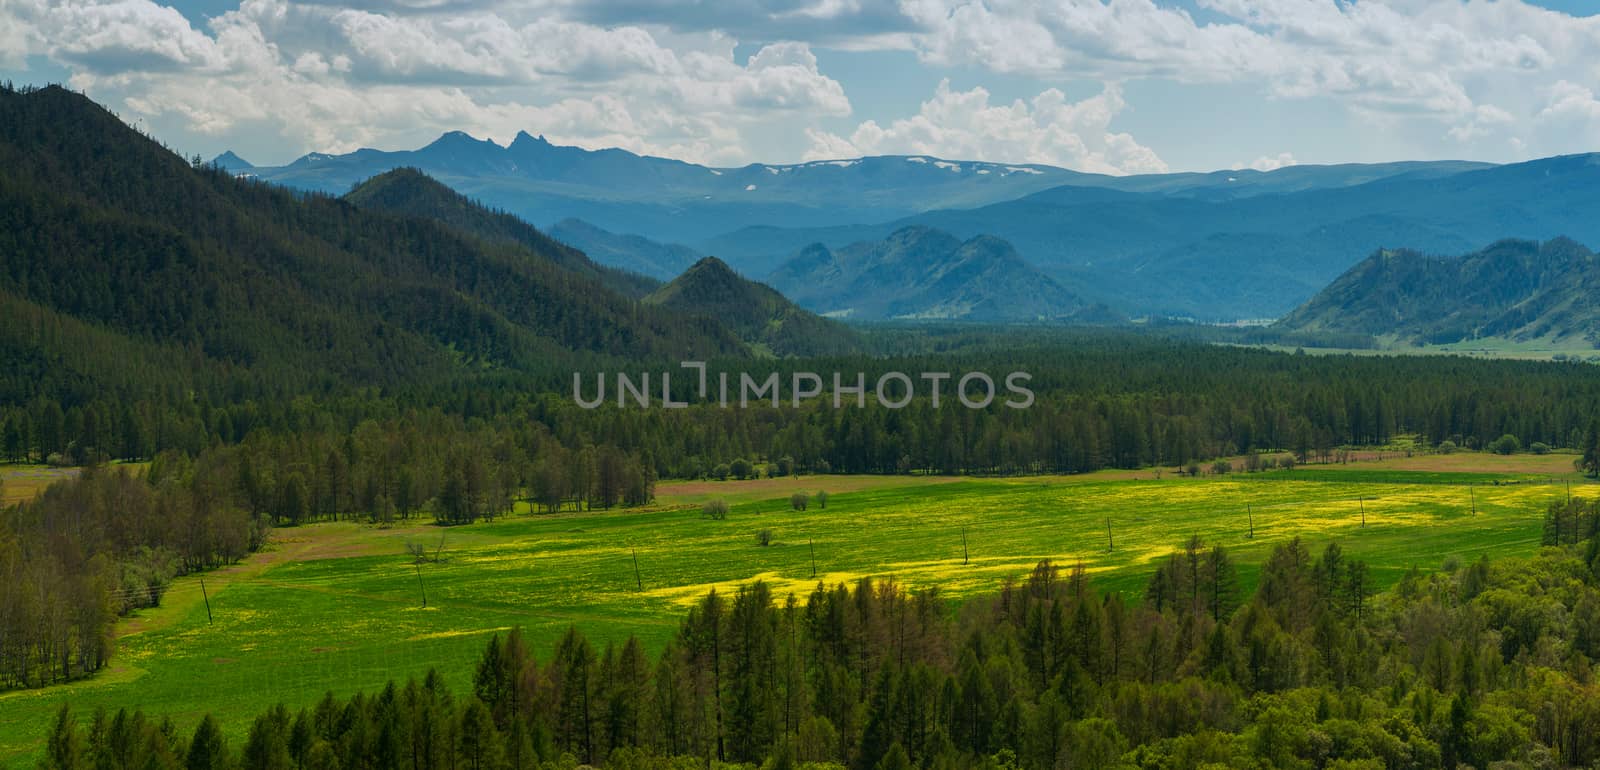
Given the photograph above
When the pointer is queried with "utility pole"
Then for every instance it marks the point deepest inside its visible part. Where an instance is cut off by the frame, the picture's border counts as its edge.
(638, 581)
(420, 587)
(813, 546)
(1474, 494)
(1252, 516)
(1363, 502)
(207, 597)
(1111, 545)
(964, 555)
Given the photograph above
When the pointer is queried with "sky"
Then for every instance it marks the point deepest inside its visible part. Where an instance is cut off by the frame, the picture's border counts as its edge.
(1110, 86)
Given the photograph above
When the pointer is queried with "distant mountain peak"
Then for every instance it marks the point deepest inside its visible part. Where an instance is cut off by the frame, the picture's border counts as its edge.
(461, 139)
(523, 137)
(230, 161)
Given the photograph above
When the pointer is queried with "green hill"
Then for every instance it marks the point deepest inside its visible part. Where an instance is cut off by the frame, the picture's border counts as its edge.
(754, 311)
(923, 273)
(1514, 290)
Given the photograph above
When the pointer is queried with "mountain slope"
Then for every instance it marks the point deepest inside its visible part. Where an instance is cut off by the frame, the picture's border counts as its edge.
(1517, 290)
(410, 192)
(754, 311)
(633, 253)
(111, 232)
(922, 273)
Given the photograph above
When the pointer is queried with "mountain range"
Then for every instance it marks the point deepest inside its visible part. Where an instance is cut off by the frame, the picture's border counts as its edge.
(921, 273)
(125, 266)
(1222, 245)
(670, 200)
(1514, 290)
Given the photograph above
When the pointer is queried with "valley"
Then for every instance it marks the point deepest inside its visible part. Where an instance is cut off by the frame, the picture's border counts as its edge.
(338, 606)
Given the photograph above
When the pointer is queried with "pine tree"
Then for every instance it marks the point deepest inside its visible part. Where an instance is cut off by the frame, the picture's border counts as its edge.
(65, 749)
(1222, 583)
(207, 749)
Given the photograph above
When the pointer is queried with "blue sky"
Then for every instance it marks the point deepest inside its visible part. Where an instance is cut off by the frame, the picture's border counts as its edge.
(1113, 86)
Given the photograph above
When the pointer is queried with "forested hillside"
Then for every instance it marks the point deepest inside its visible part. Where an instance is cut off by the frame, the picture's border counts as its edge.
(754, 311)
(1479, 665)
(112, 241)
(409, 192)
(920, 272)
(1514, 290)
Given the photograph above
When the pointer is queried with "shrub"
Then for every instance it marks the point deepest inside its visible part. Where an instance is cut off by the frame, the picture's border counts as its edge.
(1539, 448)
(1506, 445)
(1447, 446)
(715, 509)
(799, 500)
(822, 500)
(785, 466)
(764, 538)
(720, 472)
(1221, 467)
(741, 469)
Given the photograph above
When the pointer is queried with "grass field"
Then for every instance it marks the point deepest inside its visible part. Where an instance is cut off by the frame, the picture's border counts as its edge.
(24, 482)
(340, 604)
(1541, 349)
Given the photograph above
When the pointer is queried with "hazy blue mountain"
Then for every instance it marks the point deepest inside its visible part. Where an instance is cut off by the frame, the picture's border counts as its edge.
(670, 200)
(754, 311)
(673, 201)
(231, 162)
(1219, 245)
(1245, 257)
(923, 273)
(1514, 289)
(634, 253)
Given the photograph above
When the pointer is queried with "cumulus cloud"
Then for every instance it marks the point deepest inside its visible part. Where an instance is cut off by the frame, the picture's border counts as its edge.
(965, 125)
(1271, 162)
(125, 35)
(664, 76)
(1569, 100)
(1474, 67)
(335, 78)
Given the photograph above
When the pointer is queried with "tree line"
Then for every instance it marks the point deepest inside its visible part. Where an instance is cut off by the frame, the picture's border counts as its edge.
(94, 548)
(1151, 404)
(1478, 665)
(109, 541)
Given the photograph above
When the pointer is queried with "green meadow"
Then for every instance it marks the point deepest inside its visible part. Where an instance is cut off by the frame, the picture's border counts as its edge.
(343, 603)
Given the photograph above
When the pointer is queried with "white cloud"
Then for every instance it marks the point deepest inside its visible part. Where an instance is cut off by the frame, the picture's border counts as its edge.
(1469, 76)
(125, 34)
(1474, 67)
(1571, 101)
(964, 125)
(337, 78)
(1271, 162)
